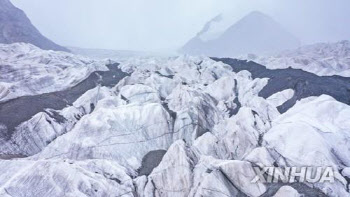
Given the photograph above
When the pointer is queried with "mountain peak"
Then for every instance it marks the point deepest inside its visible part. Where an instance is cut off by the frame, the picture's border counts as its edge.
(257, 14)
(255, 33)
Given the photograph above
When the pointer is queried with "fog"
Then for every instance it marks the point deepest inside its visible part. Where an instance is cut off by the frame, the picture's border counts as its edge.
(152, 25)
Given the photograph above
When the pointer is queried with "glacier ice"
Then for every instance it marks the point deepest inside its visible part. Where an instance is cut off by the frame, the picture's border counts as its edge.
(167, 129)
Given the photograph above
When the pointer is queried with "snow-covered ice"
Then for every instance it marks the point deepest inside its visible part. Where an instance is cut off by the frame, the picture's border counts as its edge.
(181, 109)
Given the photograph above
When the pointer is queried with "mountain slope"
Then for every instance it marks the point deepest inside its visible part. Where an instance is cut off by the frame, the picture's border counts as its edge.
(16, 27)
(255, 33)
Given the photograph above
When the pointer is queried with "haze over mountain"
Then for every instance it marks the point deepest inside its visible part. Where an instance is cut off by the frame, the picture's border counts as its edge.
(255, 33)
(16, 27)
(166, 24)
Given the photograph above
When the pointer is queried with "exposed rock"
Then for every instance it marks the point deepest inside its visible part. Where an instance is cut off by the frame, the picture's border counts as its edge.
(46, 79)
(303, 83)
(150, 161)
(16, 27)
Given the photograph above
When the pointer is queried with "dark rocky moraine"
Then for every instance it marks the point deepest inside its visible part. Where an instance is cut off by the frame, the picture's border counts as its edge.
(16, 111)
(303, 83)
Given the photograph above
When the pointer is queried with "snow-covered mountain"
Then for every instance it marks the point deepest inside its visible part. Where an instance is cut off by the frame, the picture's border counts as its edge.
(255, 33)
(324, 59)
(16, 27)
(181, 126)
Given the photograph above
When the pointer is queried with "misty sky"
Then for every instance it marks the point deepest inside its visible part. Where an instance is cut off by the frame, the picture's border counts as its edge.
(168, 24)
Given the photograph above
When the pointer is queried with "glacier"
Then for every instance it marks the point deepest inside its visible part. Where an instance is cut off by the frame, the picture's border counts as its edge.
(170, 126)
(28, 70)
(323, 59)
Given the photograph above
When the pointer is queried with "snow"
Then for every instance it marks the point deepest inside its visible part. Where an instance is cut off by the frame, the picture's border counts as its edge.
(323, 59)
(321, 119)
(28, 70)
(180, 106)
(279, 98)
(313, 133)
(90, 178)
(287, 191)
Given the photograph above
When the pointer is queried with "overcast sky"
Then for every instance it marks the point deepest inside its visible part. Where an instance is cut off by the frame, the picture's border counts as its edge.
(168, 24)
